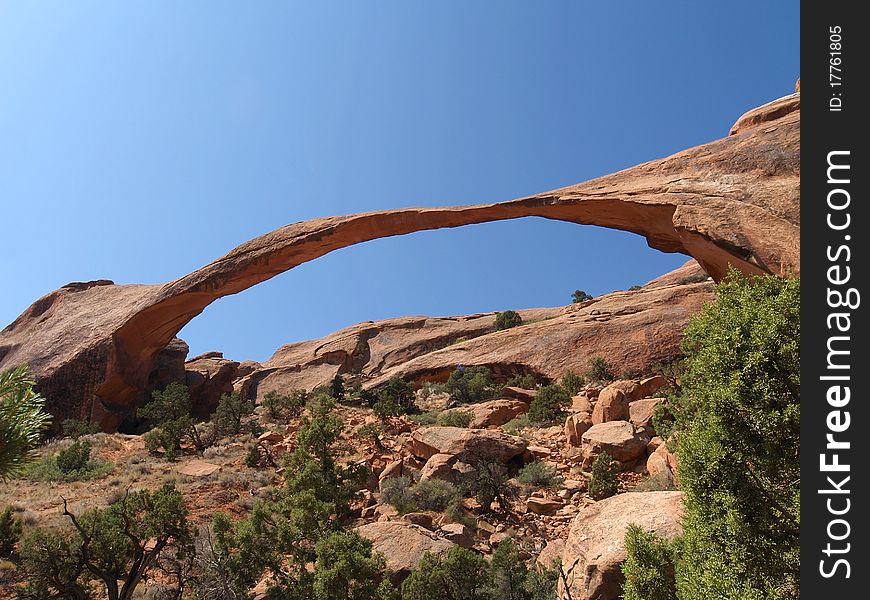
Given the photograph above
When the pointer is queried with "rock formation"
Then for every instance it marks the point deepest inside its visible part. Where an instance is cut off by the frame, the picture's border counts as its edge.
(734, 201)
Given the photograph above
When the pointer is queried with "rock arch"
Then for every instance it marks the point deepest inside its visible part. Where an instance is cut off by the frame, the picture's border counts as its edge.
(732, 202)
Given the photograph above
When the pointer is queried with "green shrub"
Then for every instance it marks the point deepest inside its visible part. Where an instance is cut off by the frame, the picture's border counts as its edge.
(514, 426)
(76, 428)
(580, 296)
(454, 418)
(459, 574)
(548, 405)
(336, 388)
(572, 382)
(284, 405)
(738, 440)
(394, 398)
(434, 494)
(467, 385)
(47, 468)
(230, 414)
(10, 531)
(429, 417)
(507, 319)
(660, 482)
(634, 288)
(539, 474)
(396, 491)
(169, 410)
(253, 456)
(525, 381)
(599, 370)
(74, 458)
(649, 567)
(604, 480)
(492, 484)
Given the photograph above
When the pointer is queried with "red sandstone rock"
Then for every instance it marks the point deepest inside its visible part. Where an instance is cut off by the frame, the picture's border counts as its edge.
(612, 405)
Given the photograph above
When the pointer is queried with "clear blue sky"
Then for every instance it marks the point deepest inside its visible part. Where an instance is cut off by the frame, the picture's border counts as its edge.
(140, 140)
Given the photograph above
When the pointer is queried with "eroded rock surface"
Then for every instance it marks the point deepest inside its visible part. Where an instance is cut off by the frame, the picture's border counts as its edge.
(735, 201)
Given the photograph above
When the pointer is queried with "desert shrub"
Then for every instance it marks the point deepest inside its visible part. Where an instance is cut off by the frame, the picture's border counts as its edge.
(10, 531)
(467, 385)
(430, 417)
(230, 414)
(454, 418)
(284, 405)
(634, 288)
(572, 382)
(169, 410)
(49, 468)
(514, 426)
(738, 440)
(599, 370)
(22, 421)
(74, 458)
(492, 485)
(434, 494)
(660, 482)
(604, 480)
(347, 569)
(116, 546)
(507, 319)
(396, 491)
(580, 296)
(525, 381)
(649, 567)
(76, 428)
(253, 456)
(663, 420)
(508, 577)
(336, 388)
(459, 574)
(394, 398)
(548, 405)
(539, 474)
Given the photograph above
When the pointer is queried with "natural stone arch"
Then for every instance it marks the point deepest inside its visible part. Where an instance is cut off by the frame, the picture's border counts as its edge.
(732, 202)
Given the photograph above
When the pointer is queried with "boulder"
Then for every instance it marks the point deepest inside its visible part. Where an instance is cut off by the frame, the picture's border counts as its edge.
(208, 377)
(575, 426)
(520, 394)
(640, 412)
(663, 463)
(493, 413)
(630, 387)
(439, 466)
(402, 544)
(612, 405)
(544, 506)
(423, 519)
(595, 548)
(581, 403)
(651, 385)
(474, 444)
(457, 533)
(618, 438)
(549, 554)
(197, 468)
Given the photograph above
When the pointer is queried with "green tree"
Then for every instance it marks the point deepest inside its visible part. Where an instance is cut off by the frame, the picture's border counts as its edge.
(492, 485)
(600, 370)
(459, 574)
(548, 405)
(572, 382)
(394, 398)
(117, 546)
(507, 319)
(10, 531)
(649, 570)
(510, 579)
(346, 568)
(74, 458)
(467, 385)
(170, 411)
(278, 405)
(580, 296)
(738, 433)
(336, 388)
(230, 413)
(22, 420)
(603, 481)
